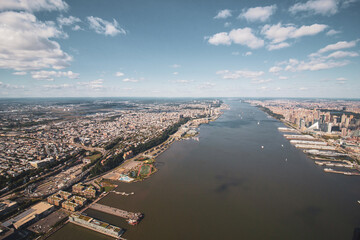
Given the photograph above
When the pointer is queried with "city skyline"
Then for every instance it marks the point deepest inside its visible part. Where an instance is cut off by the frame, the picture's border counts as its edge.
(179, 49)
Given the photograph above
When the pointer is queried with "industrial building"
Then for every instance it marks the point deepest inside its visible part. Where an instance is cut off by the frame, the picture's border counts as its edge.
(30, 215)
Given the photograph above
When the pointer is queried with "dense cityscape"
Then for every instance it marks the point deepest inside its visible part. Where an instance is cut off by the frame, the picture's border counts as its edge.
(48, 148)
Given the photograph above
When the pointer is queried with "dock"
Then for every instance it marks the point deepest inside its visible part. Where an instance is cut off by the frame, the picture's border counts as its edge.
(318, 147)
(331, 164)
(341, 172)
(287, 130)
(131, 217)
(300, 137)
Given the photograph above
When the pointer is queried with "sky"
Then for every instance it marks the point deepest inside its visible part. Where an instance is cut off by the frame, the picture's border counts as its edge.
(179, 48)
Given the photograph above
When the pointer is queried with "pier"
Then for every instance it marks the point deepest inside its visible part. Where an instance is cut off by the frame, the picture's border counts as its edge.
(289, 130)
(331, 164)
(132, 218)
(300, 137)
(341, 172)
(318, 147)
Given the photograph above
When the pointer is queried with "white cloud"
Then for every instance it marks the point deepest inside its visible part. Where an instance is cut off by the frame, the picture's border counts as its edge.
(220, 38)
(183, 81)
(303, 89)
(66, 21)
(261, 81)
(242, 36)
(25, 43)
(130, 80)
(10, 86)
(278, 33)
(20, 73)
(263, 88)
(223, 14)
(341, 80)
(338, 46)
(318, 64)
(258, 13)
(49, 75)
(33, 5)
(323, 7)
(207, 85)
(175, 73)
(226, 74)
(342, 54)
(104, 27)
(283, 77)
(175, 65)
(227, 24)
(332, 32)
(76, 28)
(247, 54)
(95, 84)
(309, 30)
(271, 47)
(275, 69)
(119, 74)
(58, 86)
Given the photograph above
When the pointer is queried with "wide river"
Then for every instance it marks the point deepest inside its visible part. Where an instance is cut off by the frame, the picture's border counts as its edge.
(226, 186)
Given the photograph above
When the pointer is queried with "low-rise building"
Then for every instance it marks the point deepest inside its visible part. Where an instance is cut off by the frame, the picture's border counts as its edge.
(65, 195)
(55, 200)
(69, 205)
(78, 188)
(78, 200)
(90, 192)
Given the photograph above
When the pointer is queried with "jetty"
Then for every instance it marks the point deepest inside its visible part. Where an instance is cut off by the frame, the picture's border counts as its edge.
(300, 137)
(319, 147)
(289, 130)
(331, 164)
(308, 142)
(341, 172)
(132, 218)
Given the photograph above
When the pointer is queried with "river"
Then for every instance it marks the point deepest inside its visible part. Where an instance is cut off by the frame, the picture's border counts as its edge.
(226, 186)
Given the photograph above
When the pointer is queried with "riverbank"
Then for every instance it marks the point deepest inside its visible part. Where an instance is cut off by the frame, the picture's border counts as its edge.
(316, 147)
(126, 172)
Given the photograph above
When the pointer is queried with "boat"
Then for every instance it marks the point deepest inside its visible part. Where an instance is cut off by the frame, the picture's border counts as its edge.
(132, 222)
(262, 146)
(359, 201)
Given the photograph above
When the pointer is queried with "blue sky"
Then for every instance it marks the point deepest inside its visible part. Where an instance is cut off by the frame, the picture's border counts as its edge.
(56, 48)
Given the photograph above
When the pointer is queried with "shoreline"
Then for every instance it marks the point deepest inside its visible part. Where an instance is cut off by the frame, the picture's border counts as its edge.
(151, 154)
(315, 138)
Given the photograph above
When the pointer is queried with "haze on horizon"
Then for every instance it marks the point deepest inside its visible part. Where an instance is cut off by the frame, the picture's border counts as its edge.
(169, 48)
